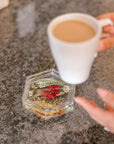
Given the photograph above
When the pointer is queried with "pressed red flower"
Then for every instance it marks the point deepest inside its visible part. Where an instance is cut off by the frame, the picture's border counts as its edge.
(51, 91)
(41, 113)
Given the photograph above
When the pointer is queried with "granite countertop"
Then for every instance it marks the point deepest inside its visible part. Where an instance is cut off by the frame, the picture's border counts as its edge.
(24, 50)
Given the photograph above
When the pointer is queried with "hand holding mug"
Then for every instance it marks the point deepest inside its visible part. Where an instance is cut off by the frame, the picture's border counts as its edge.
(103, 117)
(107, 42)
(74, 59)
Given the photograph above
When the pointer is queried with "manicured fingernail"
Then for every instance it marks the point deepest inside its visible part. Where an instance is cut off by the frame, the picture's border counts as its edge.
(102, 92)
(77, 100)
(112, 31)
(101, 47)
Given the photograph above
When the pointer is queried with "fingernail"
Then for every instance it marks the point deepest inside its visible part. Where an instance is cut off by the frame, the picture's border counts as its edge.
(102, 92)
(112, 31)
(77, 100)
(101, 47)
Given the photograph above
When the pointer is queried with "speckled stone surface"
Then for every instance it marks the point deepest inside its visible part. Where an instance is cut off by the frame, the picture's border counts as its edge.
(24, 51)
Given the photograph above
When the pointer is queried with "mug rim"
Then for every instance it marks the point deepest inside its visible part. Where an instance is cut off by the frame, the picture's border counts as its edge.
(49, 31)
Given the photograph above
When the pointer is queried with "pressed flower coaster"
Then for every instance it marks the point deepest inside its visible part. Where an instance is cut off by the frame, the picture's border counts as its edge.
(47, 95)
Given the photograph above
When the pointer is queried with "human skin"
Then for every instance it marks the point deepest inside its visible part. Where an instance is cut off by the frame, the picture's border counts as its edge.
(101, 116)
(107, 42)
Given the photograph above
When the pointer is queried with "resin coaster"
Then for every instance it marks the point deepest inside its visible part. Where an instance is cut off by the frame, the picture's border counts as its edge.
(47, 95)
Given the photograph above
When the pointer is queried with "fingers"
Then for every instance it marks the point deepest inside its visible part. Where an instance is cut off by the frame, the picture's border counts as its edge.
(107, 15)
(106, 43)
(105, 118)
(95, 112)
(109, 29)
(106, 96)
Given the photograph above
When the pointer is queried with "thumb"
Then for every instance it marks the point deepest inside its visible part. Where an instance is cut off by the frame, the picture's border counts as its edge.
(106, 43)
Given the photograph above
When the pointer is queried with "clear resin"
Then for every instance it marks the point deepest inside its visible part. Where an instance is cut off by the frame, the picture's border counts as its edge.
(47, 95)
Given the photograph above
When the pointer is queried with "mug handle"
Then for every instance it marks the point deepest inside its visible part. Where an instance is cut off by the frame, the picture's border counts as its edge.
(102, 23)
(105, 22)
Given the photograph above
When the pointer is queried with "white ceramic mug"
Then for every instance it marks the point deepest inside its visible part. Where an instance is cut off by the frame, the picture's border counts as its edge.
(74, 60)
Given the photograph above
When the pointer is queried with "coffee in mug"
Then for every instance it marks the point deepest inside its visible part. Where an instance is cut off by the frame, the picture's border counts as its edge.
(73, 31)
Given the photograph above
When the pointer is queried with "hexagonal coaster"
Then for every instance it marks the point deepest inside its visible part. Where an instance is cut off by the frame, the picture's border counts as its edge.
(47, 95)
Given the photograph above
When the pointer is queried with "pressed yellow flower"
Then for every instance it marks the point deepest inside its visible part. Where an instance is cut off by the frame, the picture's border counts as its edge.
(30, 93)
(66, 89)
(41, 84)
